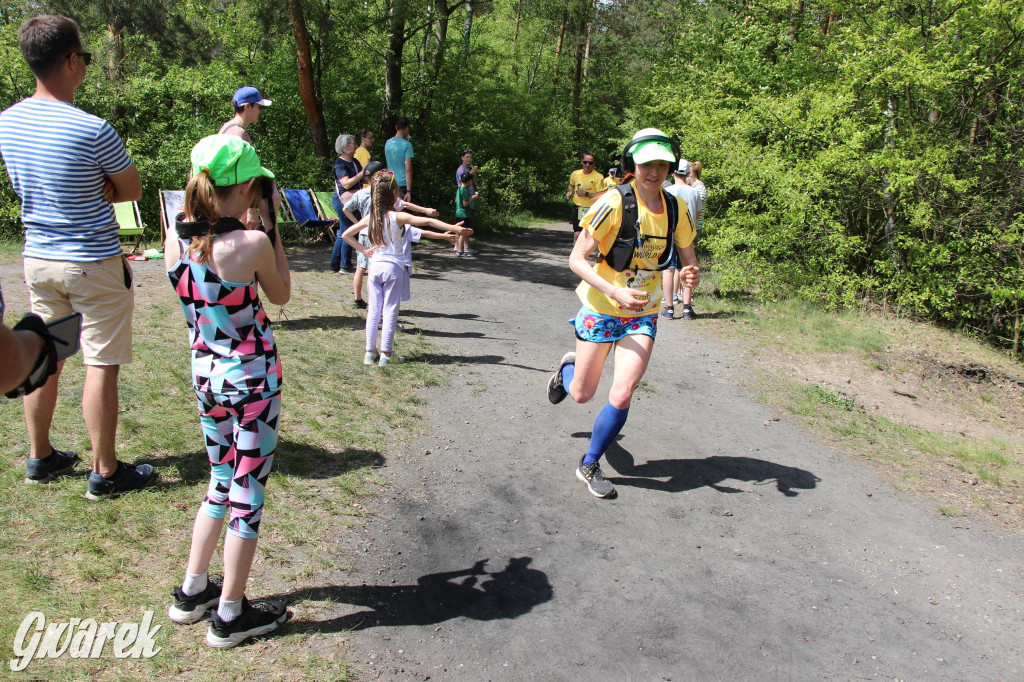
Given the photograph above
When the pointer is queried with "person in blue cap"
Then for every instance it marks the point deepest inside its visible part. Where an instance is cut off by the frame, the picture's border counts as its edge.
(248, 104)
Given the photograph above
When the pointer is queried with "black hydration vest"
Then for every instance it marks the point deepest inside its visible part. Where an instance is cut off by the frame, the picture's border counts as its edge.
(620, 255)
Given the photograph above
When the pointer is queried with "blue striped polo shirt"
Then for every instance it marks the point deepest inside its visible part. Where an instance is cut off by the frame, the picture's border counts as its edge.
(56, 156)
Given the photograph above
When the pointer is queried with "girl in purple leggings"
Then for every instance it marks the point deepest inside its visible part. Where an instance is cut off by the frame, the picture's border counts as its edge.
(390, 233)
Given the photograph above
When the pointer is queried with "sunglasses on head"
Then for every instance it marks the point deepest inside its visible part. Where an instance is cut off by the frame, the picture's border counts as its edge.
(86, 56)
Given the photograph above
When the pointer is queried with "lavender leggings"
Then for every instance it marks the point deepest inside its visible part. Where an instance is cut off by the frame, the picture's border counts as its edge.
(385, 289)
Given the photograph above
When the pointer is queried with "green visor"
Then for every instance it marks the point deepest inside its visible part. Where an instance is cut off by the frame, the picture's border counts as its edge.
(645, 152)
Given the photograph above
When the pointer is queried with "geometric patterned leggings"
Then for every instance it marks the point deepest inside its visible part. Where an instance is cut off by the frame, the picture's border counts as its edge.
(241, 436)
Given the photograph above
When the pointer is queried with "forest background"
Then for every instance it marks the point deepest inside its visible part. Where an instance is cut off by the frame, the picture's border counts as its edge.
(856, 153)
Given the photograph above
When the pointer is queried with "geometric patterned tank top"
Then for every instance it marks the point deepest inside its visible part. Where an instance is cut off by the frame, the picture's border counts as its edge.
(233, 350)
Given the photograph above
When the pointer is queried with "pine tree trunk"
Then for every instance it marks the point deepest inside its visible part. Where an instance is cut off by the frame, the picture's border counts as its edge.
(441, 13)
(577, 80)
(115, 70)
(467, 32)
(307, 90)
(393, 67)
(558, 48)
(515, 37)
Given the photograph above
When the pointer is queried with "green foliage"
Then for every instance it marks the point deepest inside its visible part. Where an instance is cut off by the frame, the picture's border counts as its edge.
(818, 126)
(854, 152)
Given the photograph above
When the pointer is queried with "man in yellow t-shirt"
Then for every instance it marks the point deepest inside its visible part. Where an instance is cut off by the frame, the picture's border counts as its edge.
(362, 155)
(603, 222)
(585, 185)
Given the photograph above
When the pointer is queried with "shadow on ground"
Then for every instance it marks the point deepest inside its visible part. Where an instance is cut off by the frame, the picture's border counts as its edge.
(679, 475)
(436, 597)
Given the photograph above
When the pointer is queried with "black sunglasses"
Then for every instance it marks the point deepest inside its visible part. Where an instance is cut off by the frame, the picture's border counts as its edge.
(86, 56)
(587, 163)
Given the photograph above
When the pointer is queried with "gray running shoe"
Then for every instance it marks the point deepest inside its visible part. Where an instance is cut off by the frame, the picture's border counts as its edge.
(127, 478)
(46, 469)
(668, 312)
(592, 475)
(556, 391)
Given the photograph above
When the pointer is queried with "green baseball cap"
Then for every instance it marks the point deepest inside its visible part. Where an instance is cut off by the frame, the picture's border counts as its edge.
(229, 160)
(652, 150)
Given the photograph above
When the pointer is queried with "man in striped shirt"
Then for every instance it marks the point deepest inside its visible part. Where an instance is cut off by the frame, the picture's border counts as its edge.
(68, 167)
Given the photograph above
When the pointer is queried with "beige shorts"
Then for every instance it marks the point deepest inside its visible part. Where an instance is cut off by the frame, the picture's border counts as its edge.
(101, 290)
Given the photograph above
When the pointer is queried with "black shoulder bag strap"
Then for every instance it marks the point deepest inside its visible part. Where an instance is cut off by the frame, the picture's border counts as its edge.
(620, 255)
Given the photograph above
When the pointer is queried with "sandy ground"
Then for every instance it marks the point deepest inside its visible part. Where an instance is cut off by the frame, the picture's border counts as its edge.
(733, 550)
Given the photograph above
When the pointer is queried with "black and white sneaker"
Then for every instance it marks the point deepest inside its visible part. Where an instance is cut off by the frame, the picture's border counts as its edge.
(257, 618)
(592, 475)
(556, 391)
(688, 313)
(187, 610)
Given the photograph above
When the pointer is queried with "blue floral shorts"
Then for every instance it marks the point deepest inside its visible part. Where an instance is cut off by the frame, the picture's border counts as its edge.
(597, 328)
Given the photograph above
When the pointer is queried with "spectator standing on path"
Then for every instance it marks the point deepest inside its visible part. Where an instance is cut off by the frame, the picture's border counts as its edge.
(585, 185)
(697, 169)
(465, 169)
(671, 282)
(356, 209)
(686, 188)
(621, 292)
(67, 167)
(362, 153)
(464, 198)
(348, 174)
(398, 154)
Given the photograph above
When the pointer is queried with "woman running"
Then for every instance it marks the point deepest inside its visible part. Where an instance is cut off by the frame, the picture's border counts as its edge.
(214, 264)
(622, 291)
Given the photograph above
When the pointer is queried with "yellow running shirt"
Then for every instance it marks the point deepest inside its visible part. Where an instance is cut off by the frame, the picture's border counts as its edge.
(602, 221)
(591, 182)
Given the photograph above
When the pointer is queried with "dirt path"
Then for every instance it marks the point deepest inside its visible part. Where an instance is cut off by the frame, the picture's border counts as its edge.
(735, 550)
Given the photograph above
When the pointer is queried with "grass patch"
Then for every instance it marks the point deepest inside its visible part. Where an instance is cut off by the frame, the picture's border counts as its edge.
(997, 462)
(952, 512)
(115, 560)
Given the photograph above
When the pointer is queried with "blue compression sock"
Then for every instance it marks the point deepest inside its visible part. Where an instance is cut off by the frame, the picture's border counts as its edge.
(607, 425)
(568, 372)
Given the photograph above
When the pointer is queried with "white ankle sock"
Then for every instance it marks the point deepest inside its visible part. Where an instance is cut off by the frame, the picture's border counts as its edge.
(194, 583)
(229, 610)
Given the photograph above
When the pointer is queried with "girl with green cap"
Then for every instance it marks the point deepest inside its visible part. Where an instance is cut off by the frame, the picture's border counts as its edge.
(619, 315)
(215, 263)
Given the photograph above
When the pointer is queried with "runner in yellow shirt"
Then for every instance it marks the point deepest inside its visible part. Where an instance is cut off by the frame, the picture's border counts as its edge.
(612, 180)
(621, 292)
(585, 185)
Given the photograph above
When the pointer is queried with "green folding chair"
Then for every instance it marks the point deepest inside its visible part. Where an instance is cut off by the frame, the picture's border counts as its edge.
(325, 205)
(129, 221)
(326, 209)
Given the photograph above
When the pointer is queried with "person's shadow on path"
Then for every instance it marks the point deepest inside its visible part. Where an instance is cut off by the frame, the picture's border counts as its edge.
(689, 474)
(436, 597)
